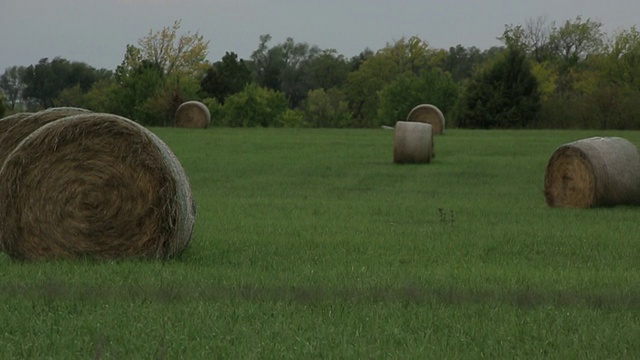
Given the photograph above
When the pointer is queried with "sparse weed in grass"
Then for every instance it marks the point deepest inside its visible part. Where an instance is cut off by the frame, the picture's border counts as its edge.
(313, 244)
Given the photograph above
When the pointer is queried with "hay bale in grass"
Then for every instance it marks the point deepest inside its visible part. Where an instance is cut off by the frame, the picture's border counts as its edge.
(429, 114)
(193, 114)
(412, 142)
(94, 186)
(598, 171)
(19, 126)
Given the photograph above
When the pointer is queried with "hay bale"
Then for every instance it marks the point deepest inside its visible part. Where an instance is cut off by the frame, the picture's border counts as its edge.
(429, 114)
(95, 186)
(412, 142)
(598, 171)
(19, 126)
(8, 121)
(193, 114)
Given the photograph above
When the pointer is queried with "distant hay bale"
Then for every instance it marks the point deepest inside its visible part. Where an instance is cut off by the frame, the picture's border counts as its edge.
(429, 114)
(412, 142)
(193, 114)
(94, 186)
(598, 171)
(19, 126)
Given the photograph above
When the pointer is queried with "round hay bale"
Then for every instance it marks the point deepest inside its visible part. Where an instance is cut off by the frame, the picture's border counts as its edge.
(19, 126)
(429, 114)
(94, 186)
(598, 171)
(193, 114)
(412, 142)
(8, 121)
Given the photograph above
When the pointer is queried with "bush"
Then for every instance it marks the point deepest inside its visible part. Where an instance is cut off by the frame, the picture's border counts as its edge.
(254, 106)
(503, 95)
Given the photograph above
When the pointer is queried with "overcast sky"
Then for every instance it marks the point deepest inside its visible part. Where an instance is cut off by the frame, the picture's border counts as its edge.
(96, 32)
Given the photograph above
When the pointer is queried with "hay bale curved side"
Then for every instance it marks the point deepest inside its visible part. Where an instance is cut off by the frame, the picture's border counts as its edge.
(598, 171)
(412, 142)
(429, 114)
(94, 186)
(19, 126)
(193, 114)
(8, 121)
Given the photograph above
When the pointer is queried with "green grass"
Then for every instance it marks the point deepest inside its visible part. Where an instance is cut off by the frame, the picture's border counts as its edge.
(313, 244)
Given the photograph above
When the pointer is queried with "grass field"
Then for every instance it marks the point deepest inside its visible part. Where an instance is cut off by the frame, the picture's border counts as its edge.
(313, 244)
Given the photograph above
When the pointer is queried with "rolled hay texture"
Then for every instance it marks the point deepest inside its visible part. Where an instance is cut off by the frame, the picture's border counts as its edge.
(19, 126)
(593, 172)
(412, 142)
(193, 114)
(94, 186)
(429, 114)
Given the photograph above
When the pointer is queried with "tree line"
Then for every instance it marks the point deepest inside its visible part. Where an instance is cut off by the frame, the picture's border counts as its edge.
(545, 75)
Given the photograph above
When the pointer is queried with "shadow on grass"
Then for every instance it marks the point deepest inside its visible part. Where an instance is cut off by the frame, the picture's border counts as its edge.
(409, 294)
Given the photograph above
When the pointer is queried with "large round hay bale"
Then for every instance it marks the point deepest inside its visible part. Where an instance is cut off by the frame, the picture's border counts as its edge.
(8, 121)
(94, 186)
(412, 142)
(429, 114)
(193, 114)
(19, 126)
(598, 171)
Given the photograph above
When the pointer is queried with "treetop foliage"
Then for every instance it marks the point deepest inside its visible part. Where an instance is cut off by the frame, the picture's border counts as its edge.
(568, 74)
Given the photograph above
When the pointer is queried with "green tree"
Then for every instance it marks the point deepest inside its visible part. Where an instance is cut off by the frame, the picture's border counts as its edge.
(575, 40)
(225, 77)
(327, 70)
(326, 108)
(284, 67)
(432, 86)
(11, 85)
(47, 79)
(158, 74)
(255, 106)
(622, 63)
(503, 95)
(362, 85)
(184, 54)
(533, 38)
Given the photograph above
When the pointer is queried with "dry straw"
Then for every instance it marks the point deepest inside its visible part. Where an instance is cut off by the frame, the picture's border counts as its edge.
(598, 171)
(193, 114)
(19, 126)
(8, 121)
(94, 186)
(412, 142)
(429, 114)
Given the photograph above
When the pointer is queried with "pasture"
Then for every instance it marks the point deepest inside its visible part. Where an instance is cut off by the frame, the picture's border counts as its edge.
(312, 243)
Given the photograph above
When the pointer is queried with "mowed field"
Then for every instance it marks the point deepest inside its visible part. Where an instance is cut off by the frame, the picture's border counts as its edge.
(313, 244)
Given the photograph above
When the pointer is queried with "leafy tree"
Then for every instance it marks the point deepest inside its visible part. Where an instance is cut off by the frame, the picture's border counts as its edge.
(533, 38)
(326, 108)
(3, 106)
(225, 77)
(504, 95)
(327, 70)
(432, 86)
(461, 61)
(284, 67)
(362, 86)
(46, 80)
(155, 77)
(622, 65)
(11, 85)
(134, 88)
(185, 54)
(575, 40)
(254, 106)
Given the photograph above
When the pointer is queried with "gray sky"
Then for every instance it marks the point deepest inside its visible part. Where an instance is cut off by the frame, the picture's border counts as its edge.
(97, 31)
